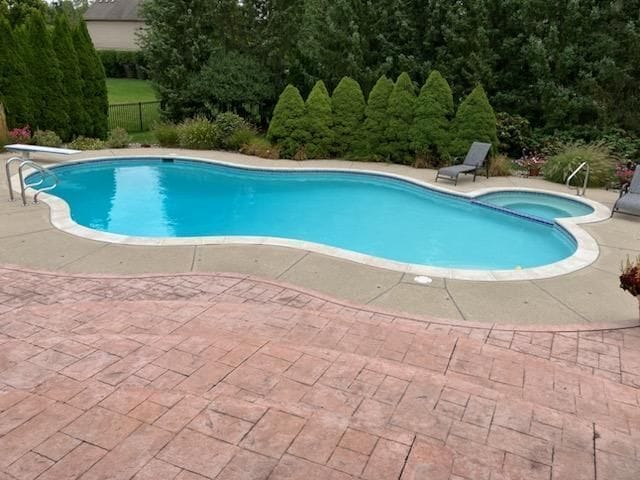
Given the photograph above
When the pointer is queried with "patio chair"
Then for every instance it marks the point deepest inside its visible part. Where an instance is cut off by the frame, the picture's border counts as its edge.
(475, 159)
(629, 200)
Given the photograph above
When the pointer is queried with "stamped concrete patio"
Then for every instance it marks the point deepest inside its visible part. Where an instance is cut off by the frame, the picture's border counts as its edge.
(221, 376)
(588, 296)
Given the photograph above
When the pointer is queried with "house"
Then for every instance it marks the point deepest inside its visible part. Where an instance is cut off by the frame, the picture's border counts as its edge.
(113, 24)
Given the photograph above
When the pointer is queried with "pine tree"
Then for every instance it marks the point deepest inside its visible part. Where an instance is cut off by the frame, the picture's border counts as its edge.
(375, 122)
(475, 121)
(50, 105)
(287, 127)
(347, 103)
(319, 122)
(433, 112)
(72, 84)
(400, 114)
(14, 83)
(94, 85)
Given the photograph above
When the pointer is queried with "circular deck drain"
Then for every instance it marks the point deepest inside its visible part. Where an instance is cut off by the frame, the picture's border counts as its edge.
(422, 280)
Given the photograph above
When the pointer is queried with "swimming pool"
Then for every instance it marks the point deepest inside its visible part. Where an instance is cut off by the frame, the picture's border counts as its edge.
(370, 214)
(541, 205)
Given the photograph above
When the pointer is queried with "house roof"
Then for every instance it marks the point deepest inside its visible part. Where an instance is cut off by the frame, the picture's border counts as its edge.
(114, 10)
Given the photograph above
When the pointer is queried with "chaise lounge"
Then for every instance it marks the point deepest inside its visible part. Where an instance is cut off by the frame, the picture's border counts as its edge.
(475, 159)
(629, 200)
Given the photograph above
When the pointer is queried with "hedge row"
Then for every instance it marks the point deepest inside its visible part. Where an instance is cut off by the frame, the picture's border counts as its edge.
(51, 77)
(124, 64)
(394, 125)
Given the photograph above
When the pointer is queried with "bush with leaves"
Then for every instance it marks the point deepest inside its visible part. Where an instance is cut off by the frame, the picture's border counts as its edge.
(475, 121)
(500, 166)
(319, 121)
(239, 138)
(514, 134)
(199, 133)
(433, 112)
(287, 128)
(601, 162)
(4, 128)
(167, 134)
(15, 84)
(86, 143)
(228, 123)
(347, 104)
(260, 147)
(118, 138)
(46, 138)
(400, 113)
(370, 146)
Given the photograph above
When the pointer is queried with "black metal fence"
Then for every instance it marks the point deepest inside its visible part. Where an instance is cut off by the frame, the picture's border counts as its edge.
(134, 117)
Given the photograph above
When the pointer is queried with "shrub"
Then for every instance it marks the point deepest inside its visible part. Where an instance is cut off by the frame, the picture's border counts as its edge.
(433, 112)
(85, 143)
(375, 122)
(167, 134)
(400, 113)
(347, 104)
(198, 134)
(475, 121)
(20, 135)
(319, 121)
(15, 84)
(46, 138)
(118, 138)
(287, 128)
(500, 166)
(514, 134)
(228, 123)
(239, 138)
(623, 144)
(260, 147)
(597, 155)
(123, 64)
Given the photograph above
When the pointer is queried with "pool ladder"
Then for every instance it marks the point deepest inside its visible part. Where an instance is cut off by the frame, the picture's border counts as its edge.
(44, 172)
(583, 165)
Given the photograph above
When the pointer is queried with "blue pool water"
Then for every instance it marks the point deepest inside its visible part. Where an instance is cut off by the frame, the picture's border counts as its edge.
(365, 213)
(541, 205)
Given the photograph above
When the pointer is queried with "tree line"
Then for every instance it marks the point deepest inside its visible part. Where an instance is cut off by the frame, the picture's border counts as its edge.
(562, 64)
(395, 124)
(50, 75)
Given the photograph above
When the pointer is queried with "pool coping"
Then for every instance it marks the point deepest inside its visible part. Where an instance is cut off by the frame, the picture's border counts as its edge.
(586, 253)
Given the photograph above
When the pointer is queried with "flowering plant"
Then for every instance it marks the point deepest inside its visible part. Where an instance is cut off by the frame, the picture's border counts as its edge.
(624, 172)
(532, 162)
(630, 277)
(20, 135)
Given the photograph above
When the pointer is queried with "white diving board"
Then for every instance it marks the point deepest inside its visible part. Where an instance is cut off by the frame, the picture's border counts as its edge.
(26, 150)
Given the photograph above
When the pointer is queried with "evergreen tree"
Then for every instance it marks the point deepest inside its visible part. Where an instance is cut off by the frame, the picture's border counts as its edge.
(94, 85)
(50, 105)
(400, 115)
(14, 84)
(287, 127)
(433, 112)
(319, 122)
(475, 121)
(347, 104)
(72, 84)
(375, 122)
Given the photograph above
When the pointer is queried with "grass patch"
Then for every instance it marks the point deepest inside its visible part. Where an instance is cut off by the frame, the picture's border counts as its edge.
(129, 90)
(144, 138)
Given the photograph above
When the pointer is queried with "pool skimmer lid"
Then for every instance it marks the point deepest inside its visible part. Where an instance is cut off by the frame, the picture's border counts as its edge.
(423, 280)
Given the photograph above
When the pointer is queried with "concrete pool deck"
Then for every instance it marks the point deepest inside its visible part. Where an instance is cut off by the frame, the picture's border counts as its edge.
(590, 295)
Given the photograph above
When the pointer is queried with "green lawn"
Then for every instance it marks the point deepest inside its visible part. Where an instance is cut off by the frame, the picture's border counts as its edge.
(132, 118)
(127, 90)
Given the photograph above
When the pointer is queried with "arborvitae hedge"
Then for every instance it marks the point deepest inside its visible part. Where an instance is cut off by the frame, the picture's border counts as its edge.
(94, 87)
(400, 114)
(433, 112)
(14, 81)
(50, 104)
(347, 103)
(72, 83)
(375, 122)
(287, 128)
(319, 122)
(475, 121)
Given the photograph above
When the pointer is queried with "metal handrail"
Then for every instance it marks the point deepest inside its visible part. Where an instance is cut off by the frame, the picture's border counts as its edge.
(8, 173)
(24, 185)
(586, 178)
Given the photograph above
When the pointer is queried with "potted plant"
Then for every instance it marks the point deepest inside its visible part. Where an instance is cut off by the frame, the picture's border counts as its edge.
(630, 277)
